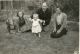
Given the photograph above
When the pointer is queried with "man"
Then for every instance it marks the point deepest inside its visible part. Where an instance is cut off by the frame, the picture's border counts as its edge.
(44, 14)
(60, 19)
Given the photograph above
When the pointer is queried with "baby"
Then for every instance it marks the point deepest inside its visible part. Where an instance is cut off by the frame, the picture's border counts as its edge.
(36, 27)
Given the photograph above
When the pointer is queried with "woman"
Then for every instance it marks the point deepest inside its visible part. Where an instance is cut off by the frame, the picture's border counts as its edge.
(60, 22)
(19, 21)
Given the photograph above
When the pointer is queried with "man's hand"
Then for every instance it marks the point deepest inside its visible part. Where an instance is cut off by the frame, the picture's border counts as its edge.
(43, 22)
(58, 31)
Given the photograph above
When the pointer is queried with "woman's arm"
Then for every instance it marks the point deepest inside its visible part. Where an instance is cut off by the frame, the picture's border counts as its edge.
(64, 22)
(54, 22)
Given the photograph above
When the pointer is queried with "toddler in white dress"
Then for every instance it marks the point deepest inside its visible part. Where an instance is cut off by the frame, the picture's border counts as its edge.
(36, 27)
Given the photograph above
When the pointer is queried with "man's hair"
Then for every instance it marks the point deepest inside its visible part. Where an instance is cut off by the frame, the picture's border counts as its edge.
(44, 3)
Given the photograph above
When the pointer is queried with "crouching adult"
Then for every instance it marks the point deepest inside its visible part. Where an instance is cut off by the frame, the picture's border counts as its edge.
(19, 21)
(60, 23)
(44, 14)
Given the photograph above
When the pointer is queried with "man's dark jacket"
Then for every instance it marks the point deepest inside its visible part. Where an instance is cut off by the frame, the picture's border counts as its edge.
(44, 15)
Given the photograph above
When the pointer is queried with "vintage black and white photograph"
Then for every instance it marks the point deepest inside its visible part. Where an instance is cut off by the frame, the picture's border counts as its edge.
(39, 26)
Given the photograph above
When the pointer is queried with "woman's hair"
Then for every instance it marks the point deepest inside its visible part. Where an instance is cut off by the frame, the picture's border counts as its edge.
(18, 14)
(60, 8)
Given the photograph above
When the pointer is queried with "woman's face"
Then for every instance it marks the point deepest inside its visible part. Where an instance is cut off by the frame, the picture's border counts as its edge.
(20, 14)
(58, 10)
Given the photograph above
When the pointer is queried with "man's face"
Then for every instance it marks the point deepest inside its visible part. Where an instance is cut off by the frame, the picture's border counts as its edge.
(44, 6)
(58, 10)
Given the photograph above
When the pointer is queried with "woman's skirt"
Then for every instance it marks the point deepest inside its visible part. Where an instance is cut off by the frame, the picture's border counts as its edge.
(27, 26)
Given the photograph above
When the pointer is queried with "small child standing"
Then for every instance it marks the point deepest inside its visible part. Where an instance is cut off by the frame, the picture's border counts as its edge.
(36, 27)
(10, 25)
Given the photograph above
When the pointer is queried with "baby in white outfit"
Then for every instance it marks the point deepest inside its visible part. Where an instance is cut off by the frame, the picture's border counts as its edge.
(36, 27)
